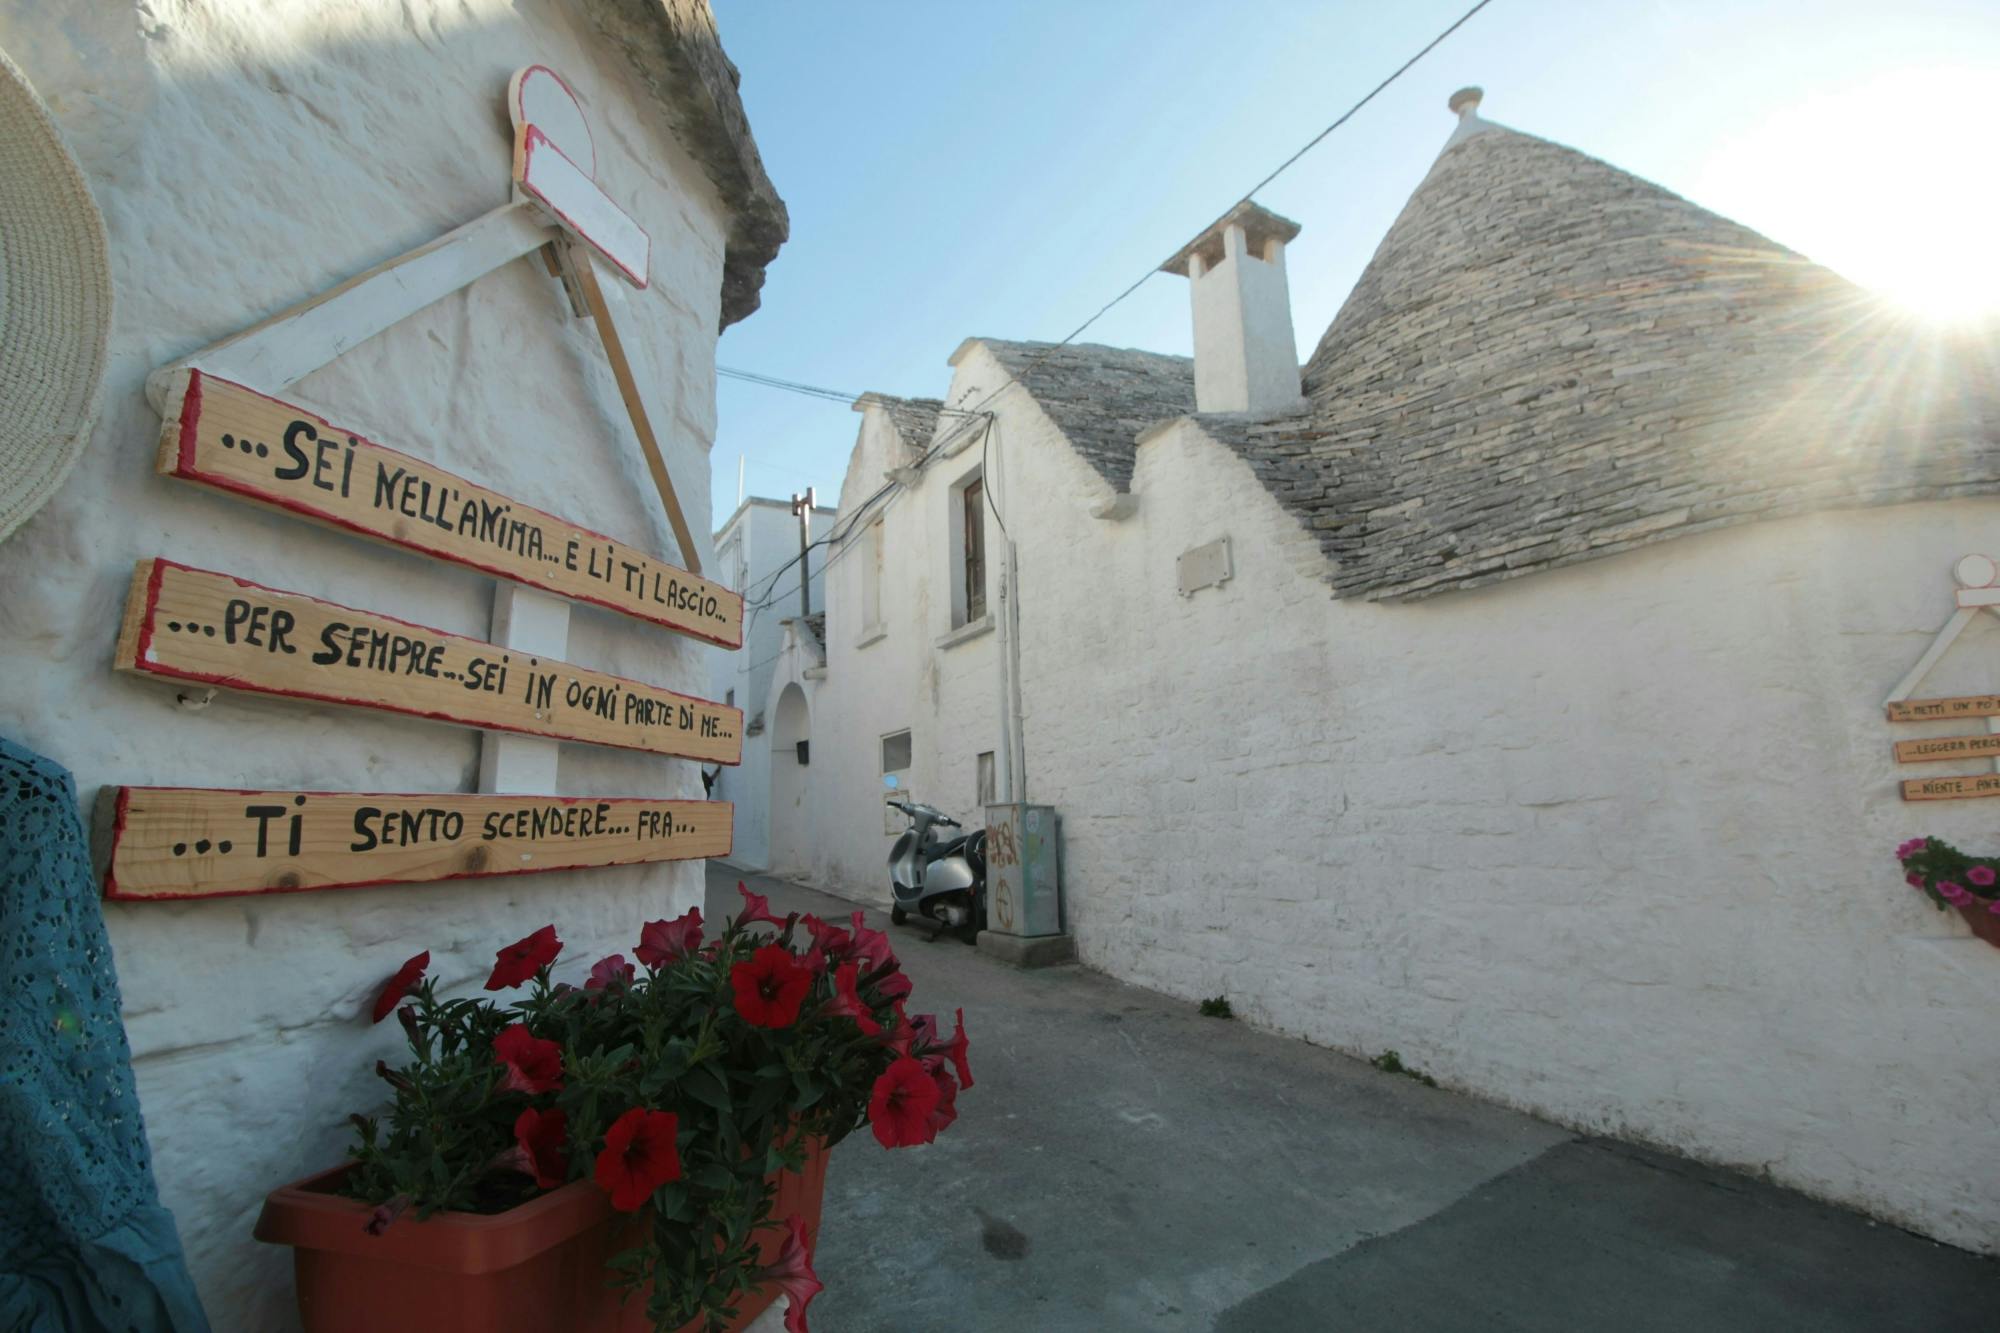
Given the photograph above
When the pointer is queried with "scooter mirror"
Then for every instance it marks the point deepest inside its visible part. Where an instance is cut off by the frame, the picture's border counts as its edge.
(889, 781)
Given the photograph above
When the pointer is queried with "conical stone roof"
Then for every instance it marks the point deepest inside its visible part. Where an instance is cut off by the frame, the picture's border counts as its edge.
(1549, 359)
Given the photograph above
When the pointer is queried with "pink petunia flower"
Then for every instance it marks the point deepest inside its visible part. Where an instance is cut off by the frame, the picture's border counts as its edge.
(1983, 876)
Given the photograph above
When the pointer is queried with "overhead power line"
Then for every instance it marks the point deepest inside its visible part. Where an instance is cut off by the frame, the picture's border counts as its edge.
(977, 409)
(840, 396)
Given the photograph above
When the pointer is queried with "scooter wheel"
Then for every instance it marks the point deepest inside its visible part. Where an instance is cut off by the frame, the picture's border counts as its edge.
(898, 915)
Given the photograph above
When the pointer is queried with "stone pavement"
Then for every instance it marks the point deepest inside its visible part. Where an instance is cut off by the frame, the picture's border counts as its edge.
(1124, 1163)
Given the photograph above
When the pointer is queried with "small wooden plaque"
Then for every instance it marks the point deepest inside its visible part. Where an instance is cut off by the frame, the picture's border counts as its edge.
(1944, 710)
(181, 842)
(212, 629)
(1947, 747)
(224, 436)
(1952, 789)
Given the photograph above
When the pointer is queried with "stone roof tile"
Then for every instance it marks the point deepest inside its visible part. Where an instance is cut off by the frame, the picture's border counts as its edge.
(1100, 397)
(1549, 360)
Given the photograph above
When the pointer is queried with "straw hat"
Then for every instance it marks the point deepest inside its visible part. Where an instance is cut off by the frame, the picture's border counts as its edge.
(55, 303)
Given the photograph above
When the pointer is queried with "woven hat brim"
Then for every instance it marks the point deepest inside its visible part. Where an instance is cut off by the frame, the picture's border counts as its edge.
(55, 303)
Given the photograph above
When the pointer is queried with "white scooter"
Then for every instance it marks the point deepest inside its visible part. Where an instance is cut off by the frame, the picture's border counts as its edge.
(941, 877)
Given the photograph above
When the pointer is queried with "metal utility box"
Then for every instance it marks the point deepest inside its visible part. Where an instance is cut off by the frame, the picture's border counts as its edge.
(1023, 870)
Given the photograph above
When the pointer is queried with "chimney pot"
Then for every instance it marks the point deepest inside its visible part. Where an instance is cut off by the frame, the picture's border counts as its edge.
(1465, 102)
(1245, 357)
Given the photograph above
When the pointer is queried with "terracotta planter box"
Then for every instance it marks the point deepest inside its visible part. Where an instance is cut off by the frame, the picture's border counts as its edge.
(532, 1269)
(1984, 924)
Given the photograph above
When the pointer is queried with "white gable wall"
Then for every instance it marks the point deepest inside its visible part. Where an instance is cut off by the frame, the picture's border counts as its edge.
(758, 548)
(246, 157)
(1612, 843)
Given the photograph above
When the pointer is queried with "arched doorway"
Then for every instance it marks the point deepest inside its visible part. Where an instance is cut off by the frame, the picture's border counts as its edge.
(791, 757)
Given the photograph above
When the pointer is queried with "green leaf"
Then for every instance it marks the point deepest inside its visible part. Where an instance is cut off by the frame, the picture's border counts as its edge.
(703, 1085)
(714, 1176)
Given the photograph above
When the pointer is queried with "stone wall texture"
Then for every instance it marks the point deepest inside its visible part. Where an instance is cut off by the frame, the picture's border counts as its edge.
(247, 157)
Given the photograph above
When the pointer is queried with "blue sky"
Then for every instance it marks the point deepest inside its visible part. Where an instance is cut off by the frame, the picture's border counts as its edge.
(1006, 168)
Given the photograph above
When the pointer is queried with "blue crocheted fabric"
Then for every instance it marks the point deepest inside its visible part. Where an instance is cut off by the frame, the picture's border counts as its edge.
(85, 1246)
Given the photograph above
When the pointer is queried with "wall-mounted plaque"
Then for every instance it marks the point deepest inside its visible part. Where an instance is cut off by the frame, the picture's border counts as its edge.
(262, 449)
(1947, 747)
(181, 842)
(1944, 710)
(212, 629)
(1952, 789)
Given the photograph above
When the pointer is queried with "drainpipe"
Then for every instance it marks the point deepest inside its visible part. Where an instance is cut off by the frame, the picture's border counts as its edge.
(1018, 777)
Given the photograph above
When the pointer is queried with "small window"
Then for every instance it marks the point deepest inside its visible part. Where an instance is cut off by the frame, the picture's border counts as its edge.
(975, 549)
(985, 795)
(896, 752)
(729, 698)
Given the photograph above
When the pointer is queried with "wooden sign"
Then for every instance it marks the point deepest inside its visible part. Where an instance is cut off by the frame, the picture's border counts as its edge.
(1951, 789)
(234, 439)
(1947, 747)
(555, 164)
(1943, 710)
(180, 842)
(196, 625)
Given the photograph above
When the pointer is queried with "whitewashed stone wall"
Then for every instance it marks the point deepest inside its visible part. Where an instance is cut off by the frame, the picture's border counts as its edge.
(1611, 844)
(946, 696)
(246, 157)
(765, 536)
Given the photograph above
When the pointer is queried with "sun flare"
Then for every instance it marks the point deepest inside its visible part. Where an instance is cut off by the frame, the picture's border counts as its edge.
(1890, 183)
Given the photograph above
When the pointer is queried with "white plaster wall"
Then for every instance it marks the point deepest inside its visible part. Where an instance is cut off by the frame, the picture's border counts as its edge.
(767, 535)
(246, 157)
(1612, 844)
(947, 697)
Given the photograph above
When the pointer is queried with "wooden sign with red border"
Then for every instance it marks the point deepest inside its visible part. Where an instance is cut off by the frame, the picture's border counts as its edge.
(185, 842)
(213, 629)
(221, 435)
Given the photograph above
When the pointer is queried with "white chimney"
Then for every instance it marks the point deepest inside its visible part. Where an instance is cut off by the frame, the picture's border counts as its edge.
(1244, 356)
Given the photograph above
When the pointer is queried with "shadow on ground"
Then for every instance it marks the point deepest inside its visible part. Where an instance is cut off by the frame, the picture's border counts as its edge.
(1123, 1163)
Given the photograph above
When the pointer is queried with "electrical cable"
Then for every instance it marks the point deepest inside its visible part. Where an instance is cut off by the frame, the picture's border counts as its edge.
(977, 410)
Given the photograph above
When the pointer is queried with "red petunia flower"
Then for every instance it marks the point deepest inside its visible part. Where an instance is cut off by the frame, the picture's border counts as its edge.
(533, 1065)
(947, 1086)
(756, 907)
(899, 1109)
(607, 970)
(832, 939)
(406, 979)
(847, 1000)
(925, 1031)
(540, 1137)
(639, 1156)
(871, 947)
(663, 942)
(791, 1272)
(895, 986)
(770, 987)
(904, 1035)
(523, 958)
(957, 1049)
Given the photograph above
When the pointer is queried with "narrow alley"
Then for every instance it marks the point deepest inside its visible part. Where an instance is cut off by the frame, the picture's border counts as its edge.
(1125, 1163)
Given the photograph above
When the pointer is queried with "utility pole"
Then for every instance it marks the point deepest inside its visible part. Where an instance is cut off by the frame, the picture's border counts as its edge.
(802, 505)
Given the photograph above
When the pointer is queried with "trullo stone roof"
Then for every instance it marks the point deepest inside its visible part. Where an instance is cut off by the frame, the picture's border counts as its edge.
(1549, 360)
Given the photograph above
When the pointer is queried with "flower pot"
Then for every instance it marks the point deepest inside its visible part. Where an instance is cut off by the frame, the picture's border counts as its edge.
(531, 1269)
(1979, 915)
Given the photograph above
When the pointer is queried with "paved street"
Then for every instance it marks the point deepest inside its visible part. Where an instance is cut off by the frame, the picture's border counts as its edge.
(1124, 1163)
